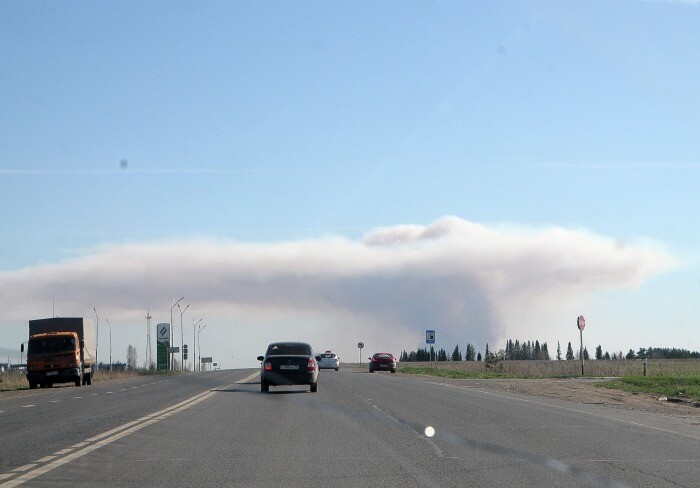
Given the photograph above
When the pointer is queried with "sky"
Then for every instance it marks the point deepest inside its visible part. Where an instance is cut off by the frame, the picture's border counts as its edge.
(344, 172)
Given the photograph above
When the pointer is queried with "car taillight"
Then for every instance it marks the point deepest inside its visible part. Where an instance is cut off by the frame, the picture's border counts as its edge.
(268, 366)
(374, 360)
(312, 365)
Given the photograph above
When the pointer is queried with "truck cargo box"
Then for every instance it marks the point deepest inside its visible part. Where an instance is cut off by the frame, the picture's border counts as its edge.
(84, 327)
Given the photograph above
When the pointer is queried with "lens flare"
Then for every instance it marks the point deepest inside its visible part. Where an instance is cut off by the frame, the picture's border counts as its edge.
(429, 431)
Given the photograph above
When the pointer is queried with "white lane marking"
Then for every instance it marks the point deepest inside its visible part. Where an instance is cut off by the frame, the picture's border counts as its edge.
(79, 444)
(97, 394)
(6, 475)
(107, 438)
(63, 451)
(78, 398)
(28, 406)
(54, 401)
(569, 409)
(45, 459)
(24, 468)
(109, 392)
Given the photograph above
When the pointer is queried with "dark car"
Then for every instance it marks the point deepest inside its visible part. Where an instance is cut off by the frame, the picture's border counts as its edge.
(382, 361)
(288, 363)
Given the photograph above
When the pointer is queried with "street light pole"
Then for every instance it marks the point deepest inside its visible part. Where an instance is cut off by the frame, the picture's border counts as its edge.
(97, 340)
(200, 346)
(171, 328)
(194, 343)
(110, 344)
(182, 338)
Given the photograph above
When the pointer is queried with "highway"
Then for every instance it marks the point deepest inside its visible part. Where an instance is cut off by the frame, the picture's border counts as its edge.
(359, 430)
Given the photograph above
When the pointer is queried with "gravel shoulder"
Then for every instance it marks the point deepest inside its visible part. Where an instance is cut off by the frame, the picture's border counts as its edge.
(584, 391)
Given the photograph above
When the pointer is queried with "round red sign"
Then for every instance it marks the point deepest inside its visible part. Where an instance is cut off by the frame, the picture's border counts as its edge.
(581, 322)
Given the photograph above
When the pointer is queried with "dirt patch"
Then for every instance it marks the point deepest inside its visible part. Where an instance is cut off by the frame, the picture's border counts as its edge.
(585, 391)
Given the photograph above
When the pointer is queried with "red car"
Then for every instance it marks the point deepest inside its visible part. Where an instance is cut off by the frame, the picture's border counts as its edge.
(382, 361)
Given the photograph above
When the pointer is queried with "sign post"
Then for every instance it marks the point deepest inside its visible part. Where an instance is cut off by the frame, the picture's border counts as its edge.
(581, 324)
(430, 339)
(360, 346)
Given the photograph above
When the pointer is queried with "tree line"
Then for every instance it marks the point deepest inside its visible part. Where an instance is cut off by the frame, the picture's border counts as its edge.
(534, 350)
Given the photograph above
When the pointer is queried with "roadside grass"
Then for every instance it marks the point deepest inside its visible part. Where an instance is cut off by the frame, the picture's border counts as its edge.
(455, 374)
(16, 380)
(672, 386)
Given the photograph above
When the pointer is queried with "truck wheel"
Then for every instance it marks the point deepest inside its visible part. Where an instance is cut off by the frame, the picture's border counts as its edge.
(32, 385)
(77, 381)
(89, 379)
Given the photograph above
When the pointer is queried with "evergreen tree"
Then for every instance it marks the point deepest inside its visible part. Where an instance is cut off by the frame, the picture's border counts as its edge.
(478, 356)
(585, 353)
(606, 355)
(569, 353)
(442, 355)
(470, 353)
(630, 354)
(544, 353)
(599, 352)
(558, 351)
(456, 354)
(537, 351)
(487, 350)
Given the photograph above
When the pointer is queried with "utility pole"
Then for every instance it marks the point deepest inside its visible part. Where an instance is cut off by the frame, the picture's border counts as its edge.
(149, 355)
(182, 338)
(97, 340)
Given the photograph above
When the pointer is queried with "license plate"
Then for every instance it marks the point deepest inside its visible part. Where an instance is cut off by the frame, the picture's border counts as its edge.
(52, 373)
(289, 366)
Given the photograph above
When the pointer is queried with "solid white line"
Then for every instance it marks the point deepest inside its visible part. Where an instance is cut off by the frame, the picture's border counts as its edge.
(132, 427)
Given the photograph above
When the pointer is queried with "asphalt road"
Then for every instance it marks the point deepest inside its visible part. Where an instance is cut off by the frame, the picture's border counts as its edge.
(359, 430)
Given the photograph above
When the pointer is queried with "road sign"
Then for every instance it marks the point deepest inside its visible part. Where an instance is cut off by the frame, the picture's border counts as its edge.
(162, 344)
(430, 337)
(206, 360)
(360, 345)
(581, 323)
(174, 349)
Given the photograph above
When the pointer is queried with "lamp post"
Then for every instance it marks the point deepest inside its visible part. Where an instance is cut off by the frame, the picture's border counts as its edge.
(182, 338)
(194, 343)
(199, 358)
(171, 326)
(97, 340)
(110, 344)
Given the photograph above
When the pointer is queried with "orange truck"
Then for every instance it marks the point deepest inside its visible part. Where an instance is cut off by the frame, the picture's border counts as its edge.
(60, 350)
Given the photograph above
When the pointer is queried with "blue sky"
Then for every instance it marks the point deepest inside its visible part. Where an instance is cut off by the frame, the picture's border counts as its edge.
(288, 127)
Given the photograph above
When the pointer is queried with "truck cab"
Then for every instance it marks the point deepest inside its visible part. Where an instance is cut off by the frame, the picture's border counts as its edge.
(56, 357)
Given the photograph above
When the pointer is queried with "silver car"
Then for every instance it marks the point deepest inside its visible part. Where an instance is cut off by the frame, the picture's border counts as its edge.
(329, 360)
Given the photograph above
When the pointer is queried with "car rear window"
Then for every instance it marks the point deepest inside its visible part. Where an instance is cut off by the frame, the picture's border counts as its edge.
(327, 355)
(383, 356)
(289, 350)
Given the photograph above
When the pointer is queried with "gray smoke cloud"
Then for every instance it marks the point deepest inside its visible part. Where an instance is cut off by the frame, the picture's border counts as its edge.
(473, 283)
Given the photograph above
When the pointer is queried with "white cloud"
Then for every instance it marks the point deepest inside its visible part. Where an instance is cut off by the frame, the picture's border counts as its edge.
(471, 282)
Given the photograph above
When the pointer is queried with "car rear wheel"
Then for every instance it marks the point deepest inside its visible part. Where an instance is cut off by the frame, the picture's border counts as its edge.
(314, 388)
(393, 371)
(264, 386)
